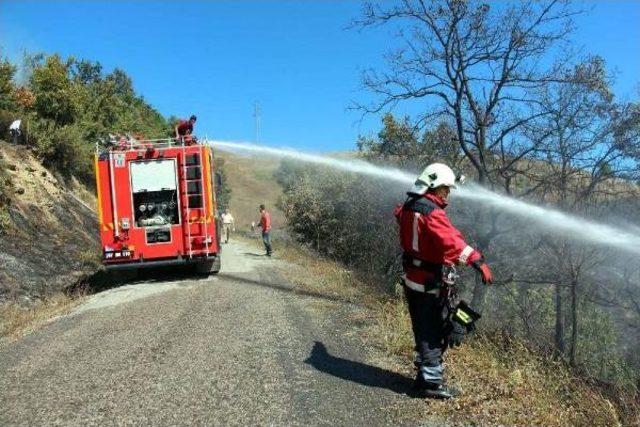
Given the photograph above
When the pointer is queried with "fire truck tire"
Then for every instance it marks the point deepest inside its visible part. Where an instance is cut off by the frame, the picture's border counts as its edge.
(126, 276)
(215, 268)
(208, 267)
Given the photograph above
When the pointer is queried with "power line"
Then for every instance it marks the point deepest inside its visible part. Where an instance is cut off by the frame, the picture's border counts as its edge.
(256, 116)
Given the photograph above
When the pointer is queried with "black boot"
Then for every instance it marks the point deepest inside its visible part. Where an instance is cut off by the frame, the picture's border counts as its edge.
(440, 391)
(434, 389)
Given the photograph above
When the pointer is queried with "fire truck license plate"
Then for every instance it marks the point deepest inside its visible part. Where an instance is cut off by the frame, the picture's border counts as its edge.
(118, 255)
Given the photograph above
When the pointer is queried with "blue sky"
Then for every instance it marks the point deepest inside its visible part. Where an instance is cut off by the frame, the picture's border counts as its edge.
(296, 58)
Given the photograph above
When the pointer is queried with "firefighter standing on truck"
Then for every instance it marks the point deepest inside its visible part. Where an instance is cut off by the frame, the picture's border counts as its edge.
(184, 129)
(432, 246)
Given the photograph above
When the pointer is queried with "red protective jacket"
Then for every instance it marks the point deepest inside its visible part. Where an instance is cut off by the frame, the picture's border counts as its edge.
(429, 240)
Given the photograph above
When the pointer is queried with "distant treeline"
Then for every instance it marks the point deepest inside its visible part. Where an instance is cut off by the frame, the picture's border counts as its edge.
(67, 105)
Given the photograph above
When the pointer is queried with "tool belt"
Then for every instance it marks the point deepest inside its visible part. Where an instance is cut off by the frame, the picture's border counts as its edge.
(410, 261)
(435, 282)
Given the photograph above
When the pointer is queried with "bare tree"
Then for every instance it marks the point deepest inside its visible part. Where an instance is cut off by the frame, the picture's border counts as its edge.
(481, 68)
(579, 165)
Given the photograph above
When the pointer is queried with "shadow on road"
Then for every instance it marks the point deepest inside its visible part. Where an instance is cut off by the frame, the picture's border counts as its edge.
(284, 288)
(254, 254)
(104, 280)
(358, 372)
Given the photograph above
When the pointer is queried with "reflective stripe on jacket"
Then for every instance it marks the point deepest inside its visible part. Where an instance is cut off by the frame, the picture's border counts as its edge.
(427, 235)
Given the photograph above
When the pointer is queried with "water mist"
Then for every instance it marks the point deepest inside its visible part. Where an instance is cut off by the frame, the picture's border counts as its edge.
(568, 225)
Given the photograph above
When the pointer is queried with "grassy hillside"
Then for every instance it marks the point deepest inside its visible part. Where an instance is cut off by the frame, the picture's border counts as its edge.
(252, 183)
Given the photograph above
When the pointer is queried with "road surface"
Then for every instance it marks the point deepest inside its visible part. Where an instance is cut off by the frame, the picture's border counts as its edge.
(240, 348)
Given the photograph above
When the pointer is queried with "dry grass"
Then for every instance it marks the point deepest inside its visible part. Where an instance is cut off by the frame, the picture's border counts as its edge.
(34, 184)
(5, 219)
(506, 383)
(90, 258)
(503, 381)
(320, 275)
(17, 319)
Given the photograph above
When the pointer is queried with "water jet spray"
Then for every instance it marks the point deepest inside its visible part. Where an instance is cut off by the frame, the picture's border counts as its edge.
(552, 219)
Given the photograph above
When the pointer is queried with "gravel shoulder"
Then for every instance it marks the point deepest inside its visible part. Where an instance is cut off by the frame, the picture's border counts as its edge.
(239, 348)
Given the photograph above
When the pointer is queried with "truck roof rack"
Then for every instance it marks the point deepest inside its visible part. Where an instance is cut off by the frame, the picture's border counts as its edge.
(130, 143)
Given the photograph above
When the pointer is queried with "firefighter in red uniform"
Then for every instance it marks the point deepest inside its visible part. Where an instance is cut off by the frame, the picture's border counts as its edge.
(184, 129)
(431, 247)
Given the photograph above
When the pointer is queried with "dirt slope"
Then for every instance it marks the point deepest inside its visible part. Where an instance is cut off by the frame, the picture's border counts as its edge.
(252, 183)
(48, 233)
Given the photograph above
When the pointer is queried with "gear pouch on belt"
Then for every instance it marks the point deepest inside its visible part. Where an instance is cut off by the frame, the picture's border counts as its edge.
(464, 315)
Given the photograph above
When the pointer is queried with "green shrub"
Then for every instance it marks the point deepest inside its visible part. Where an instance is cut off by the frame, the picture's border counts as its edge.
(69, 105)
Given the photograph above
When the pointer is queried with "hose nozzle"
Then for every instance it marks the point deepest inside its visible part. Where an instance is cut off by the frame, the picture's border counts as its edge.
(460, 179)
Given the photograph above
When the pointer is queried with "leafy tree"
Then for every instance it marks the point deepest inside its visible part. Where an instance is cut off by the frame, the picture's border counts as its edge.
(121, 84)
(56, 97)
(402, 144)
(7, 73)
(86, 72)
(70, 104)
(395, 139)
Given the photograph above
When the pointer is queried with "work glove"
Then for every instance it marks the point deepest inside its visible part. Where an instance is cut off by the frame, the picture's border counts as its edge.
(484, 270)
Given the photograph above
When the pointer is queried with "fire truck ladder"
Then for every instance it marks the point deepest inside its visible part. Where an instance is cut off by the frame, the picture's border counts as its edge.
(193, 191)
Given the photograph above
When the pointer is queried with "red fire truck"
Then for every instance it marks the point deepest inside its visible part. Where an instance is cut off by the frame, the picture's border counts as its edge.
(157, 205)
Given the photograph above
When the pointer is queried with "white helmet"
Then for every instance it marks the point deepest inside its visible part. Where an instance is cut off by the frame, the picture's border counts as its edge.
(435, 175)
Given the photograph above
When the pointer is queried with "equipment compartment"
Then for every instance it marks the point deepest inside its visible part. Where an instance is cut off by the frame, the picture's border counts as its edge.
(155, 208)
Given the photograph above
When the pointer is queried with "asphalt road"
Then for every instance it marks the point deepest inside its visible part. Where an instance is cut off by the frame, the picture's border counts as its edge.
(240, 348)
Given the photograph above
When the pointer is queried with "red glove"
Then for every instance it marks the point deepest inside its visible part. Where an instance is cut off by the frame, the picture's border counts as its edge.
(485, 271)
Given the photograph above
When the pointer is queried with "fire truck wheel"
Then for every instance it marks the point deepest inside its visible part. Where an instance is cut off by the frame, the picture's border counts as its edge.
(208, 267)
(215, 268)
(126, 276)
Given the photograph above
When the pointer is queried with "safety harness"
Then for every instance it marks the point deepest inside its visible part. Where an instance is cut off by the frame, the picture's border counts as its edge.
(424, 207)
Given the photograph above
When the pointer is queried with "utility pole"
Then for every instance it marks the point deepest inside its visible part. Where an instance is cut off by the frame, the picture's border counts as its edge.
(256, 116)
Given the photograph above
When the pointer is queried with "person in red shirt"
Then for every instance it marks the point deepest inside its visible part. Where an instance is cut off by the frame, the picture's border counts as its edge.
(184, 128)
(265, 224)
(431, 245)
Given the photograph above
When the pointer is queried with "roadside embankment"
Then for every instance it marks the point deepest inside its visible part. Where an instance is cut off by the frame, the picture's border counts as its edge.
(504, 381)
(48, 230)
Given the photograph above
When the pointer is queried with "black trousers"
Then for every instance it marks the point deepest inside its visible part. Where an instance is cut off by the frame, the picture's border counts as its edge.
(428, 320)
